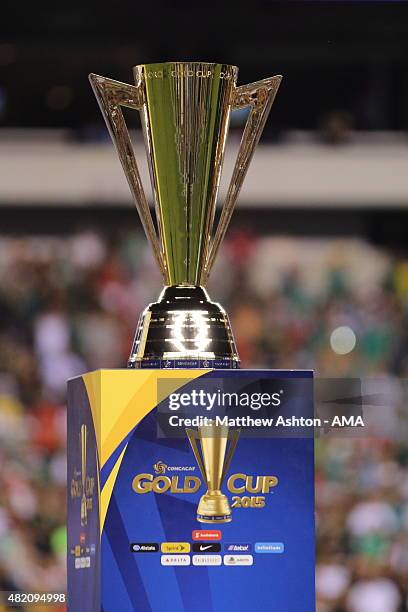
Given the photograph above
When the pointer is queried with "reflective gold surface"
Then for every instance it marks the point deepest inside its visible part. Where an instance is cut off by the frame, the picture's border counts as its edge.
(259, 97)
(185, 120)
(184, 324)
(213, 462)
(185, 109)
(111, 96)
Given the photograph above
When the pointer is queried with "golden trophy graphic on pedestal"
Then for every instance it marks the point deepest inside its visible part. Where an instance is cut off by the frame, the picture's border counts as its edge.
(84, 511)
(213, 462)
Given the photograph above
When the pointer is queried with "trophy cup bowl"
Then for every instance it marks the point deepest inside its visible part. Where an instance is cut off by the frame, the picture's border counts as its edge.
(185, 109)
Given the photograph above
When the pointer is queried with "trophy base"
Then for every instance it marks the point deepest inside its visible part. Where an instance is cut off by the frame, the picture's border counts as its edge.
(184, 330)
(214, 508)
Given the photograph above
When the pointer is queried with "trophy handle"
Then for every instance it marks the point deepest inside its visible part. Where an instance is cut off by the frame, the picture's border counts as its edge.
(111, 96)
(259, 97)
(233, 436)
(193, 437)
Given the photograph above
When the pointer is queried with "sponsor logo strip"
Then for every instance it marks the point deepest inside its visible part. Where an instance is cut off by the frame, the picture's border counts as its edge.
(175, 547)
(207, 560)
(207, 547)
(179, 560)
(269, 547)
(206, 534)
(144, 547)
(82, 562)
(238, 548)
(238, 560)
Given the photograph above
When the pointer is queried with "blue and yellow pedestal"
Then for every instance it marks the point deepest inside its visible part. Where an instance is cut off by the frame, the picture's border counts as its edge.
(134, 542)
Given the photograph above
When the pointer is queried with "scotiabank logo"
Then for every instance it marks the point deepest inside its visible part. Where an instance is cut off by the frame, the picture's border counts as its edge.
(206, 534)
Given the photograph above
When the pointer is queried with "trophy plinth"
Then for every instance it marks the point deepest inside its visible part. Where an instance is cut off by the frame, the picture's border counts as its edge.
(185, 109)
(184, 324)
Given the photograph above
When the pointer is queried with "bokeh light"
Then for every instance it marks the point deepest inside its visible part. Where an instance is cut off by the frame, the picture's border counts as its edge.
(343, 340)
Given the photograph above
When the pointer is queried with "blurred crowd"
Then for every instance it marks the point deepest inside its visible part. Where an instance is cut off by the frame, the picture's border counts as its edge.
(70, 304)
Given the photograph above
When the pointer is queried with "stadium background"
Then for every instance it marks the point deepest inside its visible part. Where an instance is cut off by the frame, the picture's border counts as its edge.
(318, 243)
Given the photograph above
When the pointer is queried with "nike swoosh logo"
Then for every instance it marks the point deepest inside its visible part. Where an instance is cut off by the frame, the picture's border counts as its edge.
(205, 547)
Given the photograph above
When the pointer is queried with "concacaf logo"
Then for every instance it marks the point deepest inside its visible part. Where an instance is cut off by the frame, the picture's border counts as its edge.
(160, 467)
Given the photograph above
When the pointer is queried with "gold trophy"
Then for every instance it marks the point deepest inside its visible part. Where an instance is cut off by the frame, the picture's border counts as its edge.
(84, 513)
(185, 109)
(213, 463)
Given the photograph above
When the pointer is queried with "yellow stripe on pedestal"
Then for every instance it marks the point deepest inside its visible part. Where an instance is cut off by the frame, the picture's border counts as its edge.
(106, 492)
(119, 400)
(127, 396)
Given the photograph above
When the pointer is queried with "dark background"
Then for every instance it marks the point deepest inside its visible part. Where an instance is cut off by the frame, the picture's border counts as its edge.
(341, 61)
(348, 56)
